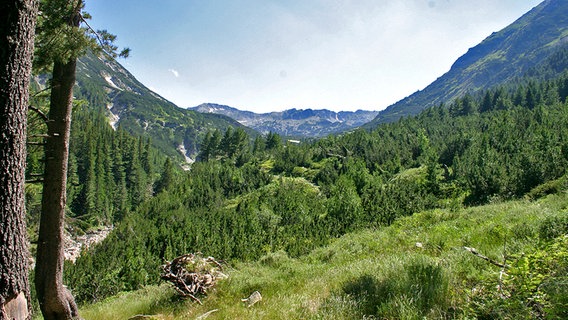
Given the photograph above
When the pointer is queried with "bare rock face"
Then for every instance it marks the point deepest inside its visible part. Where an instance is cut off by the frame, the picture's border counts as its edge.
(298, 123)
(74, 245)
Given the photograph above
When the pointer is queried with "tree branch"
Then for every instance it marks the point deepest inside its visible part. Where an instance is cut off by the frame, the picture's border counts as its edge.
(101, 42)
(105, 44)
(35, 181)
(493, 262)
(42, 115)
(41, 91)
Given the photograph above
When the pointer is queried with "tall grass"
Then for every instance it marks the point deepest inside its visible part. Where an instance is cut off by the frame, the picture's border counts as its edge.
(415, 269)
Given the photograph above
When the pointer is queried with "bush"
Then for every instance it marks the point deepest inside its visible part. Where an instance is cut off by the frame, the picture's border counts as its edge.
(553, 227)
(549, 187)
(535, 286)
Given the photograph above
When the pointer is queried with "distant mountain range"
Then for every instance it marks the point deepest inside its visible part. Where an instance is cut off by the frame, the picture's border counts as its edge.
(521, 50)
(294, 122)
(502, 57)
(177, 132)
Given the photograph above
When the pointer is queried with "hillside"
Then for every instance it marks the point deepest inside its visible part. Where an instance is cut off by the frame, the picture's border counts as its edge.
(296, 123)
(502, 57)
(418, 268)
(177, 132)
(289, 199)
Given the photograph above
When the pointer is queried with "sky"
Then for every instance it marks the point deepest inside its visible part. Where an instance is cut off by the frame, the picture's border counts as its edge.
(272, 55)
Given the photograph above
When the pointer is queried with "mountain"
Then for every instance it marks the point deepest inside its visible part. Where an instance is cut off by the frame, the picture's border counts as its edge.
(177, 132)
(504, 56)
(299, 123)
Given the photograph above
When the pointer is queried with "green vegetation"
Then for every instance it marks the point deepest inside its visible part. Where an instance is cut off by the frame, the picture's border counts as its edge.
(368, 224)
(110, 172)
(284, 205)
(415, 268)
(105, 84)
(519, 52)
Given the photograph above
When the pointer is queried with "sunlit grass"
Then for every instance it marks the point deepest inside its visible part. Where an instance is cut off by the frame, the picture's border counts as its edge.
(416, 268)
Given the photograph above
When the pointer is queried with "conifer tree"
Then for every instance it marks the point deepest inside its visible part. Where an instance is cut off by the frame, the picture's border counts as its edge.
(17, 23)
(167, 177)
(60, 42)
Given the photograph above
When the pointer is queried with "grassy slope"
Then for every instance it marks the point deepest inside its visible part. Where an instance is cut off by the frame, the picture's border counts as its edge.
(363, 271)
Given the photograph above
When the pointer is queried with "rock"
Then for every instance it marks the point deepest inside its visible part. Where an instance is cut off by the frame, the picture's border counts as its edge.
(74, 245)
(252, 299)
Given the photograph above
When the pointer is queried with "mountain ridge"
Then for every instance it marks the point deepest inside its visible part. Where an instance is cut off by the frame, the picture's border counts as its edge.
(302, 123)
(128, 103)
(501, 57)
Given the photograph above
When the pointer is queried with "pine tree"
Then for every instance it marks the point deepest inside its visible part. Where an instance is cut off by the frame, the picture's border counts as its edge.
(17, 24)
(60, 42)
(167, 178)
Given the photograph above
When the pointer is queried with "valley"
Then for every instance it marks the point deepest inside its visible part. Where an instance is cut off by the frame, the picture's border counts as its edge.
(451, 203)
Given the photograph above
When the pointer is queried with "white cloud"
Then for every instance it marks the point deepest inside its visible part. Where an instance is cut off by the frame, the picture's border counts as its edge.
(174, 72)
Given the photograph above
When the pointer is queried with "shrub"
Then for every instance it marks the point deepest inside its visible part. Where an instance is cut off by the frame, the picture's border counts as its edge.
(535, 286)
(553, 227)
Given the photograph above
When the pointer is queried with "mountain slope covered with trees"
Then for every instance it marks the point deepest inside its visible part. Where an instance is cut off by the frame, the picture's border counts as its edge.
(502, 144)
(504, 56)
(128, 104)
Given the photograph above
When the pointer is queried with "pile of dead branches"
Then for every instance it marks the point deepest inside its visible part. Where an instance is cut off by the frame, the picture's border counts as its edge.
(192, 275)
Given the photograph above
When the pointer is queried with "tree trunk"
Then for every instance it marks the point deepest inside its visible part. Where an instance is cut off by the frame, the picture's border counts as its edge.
(17, 26)
(56, 302)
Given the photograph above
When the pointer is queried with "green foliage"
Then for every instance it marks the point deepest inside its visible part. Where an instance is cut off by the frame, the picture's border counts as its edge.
(243, 201)
(110, 172)
(278, 201)
(554, 226)
(233, 146)
(530, 49)
(56, 39)
(533, 287)
(112, 90)
(382, 273)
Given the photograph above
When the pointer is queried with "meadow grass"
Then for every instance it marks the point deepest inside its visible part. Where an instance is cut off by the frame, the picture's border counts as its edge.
(414, 269)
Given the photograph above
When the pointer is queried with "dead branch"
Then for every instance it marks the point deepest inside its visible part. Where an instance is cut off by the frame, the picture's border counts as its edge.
(252, 299)
(40, 136)
(206, 314)
(192, 275)
(493, 262)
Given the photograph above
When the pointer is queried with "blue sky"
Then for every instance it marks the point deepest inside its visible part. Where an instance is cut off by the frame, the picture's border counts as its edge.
(271, 55)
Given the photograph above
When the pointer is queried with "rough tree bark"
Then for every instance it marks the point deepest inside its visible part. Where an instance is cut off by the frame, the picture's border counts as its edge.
(56, 302)
(17, 25)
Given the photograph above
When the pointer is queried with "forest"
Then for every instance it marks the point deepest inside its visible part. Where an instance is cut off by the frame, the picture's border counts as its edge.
(247, 198)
